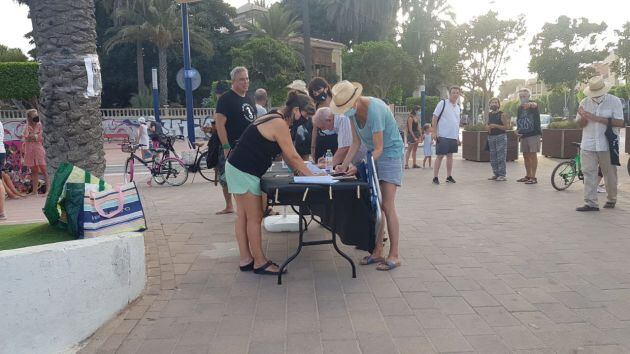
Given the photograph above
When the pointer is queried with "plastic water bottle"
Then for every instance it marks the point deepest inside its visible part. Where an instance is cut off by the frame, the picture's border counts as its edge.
(329, 160)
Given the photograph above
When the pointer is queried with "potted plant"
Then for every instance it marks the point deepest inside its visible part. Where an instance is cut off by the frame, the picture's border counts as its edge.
(474, 138)
(557, 139)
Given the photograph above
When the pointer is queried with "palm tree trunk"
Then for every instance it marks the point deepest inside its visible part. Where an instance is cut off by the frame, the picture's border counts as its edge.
(140, 67)
(65, 32)
(163, 69)
(306, 29)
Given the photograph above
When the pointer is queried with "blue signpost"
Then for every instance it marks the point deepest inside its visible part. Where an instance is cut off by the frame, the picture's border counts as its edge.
(188, 75)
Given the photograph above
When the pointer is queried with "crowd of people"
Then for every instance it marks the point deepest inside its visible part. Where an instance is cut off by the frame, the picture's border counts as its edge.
(317, 118)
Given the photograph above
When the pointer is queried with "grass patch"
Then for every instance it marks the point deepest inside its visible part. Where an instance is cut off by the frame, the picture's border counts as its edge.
(18, 236)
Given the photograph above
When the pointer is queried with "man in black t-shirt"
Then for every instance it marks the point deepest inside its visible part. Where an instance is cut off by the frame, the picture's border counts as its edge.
(234, 113)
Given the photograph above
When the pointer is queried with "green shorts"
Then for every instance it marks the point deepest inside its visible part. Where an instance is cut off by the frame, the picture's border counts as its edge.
(240, 182)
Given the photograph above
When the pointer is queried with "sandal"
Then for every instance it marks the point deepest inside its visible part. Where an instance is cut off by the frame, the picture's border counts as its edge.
(406, 167)
(416, 166)
(263, 270)
(609, 205)
(532, 180)
(388, 265)
(248, 267)
(524, 179)
(367, 260)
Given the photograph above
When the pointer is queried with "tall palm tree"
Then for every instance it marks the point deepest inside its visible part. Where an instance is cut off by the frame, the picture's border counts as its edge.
(277, 23)
(64, 32)
(158, 22)
(121, 11)
(363, 19)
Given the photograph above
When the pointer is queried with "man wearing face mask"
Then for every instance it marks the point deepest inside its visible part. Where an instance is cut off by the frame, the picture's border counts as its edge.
(529, 132)
(600, 115)
(498, 124)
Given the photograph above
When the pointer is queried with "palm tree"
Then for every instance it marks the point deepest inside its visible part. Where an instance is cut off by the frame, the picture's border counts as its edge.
(158, 22)
(64, 32)
(277, 23)
(363, 19)
(122, 11)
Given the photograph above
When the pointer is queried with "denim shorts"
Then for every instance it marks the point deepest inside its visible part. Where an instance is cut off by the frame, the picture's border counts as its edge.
(390, 170)
(446, 146)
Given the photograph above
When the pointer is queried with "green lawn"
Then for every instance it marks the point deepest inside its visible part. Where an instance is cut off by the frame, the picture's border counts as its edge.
(18, 236)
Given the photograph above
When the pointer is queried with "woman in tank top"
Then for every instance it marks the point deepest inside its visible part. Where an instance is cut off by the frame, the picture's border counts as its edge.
(260, 143)
(498, 124)
(413, 137)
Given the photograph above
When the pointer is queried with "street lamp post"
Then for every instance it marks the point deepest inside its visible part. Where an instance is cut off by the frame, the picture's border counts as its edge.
(156, 97)
(188, 72)
(423, 89)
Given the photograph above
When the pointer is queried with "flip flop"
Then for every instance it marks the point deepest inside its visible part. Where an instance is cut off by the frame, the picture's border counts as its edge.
(367, 260)
(263, 270)
(248, 267)
(387, 265)
(224, 212)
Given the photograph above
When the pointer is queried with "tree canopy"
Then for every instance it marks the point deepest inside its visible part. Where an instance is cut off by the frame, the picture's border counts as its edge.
(621, 66)
(11, 54)
(380, 67)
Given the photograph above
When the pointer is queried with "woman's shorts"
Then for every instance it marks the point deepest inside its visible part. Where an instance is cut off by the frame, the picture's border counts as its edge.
(240, 182)
(2, 158)
(390, 170)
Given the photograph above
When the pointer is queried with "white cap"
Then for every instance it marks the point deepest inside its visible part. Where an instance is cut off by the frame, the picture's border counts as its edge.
(141, 120)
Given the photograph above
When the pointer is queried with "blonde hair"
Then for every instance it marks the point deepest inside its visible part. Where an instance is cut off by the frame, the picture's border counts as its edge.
(29, 115)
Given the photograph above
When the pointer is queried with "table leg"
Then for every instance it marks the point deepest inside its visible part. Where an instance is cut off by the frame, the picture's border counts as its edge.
(299, 249)
(334, 242)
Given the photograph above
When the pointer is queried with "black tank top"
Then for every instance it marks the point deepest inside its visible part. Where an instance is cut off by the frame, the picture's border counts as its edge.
(254, 154)
(495, 118)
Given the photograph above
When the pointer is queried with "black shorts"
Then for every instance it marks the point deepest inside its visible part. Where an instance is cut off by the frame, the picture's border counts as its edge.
(2, 157)
(446, 146)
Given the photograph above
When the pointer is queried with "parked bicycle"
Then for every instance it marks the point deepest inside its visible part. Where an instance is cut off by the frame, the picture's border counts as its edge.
(163, 169)
(565, 173)
(196, 162)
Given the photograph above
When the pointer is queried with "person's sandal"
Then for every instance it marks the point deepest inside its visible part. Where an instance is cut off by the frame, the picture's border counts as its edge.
(587, 208)
(524, 179)
(492, 178)
(387, 265)
(609, 205)
(416, 166)
(406, 167)
(263, 270)
(532, 181)
(248, 267)
(367, 260)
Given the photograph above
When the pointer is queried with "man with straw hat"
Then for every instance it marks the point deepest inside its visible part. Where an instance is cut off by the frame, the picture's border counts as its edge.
(600, 115)
(374, 125)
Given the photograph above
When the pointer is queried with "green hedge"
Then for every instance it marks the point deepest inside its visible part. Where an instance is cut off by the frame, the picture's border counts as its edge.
(18, 80)
(430, 102)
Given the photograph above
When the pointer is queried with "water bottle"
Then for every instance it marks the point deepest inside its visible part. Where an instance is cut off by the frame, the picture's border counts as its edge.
(329, 160)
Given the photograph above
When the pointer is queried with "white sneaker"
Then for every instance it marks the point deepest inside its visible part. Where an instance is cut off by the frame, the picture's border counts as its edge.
(601, 189)
(501, 178)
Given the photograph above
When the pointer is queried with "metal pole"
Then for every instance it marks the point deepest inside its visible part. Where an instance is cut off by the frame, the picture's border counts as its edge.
(188, 74)
(156, 96)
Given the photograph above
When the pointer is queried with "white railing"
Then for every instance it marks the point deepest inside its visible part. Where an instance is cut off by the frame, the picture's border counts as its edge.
(115, 113)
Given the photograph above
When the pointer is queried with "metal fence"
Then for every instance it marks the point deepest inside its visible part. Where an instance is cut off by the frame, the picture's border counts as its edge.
(126, 113)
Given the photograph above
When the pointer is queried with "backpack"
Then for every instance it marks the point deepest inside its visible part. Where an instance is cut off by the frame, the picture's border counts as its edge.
(214, 149)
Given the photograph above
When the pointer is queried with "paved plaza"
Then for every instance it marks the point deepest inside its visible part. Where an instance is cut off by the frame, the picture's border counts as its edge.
(488, 267)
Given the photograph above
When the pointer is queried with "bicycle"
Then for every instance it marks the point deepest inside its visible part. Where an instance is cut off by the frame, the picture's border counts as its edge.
(564, 174)
(168, 170)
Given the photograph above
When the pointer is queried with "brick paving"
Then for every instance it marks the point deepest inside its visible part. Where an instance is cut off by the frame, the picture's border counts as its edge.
(488, 267)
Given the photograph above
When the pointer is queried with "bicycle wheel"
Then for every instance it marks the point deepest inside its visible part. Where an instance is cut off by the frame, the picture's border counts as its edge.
(128, 174)
(202, 168)
(173, 171)
(629, 163)
(563, 175)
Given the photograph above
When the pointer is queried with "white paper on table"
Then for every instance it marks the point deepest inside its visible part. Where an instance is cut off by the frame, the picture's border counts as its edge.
(315, 179)
(314, 169)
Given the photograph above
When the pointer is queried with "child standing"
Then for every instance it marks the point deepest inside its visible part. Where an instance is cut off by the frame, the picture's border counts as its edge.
(428, 144)
(143, 138)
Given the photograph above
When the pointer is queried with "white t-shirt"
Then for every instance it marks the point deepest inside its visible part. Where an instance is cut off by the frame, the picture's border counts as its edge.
(593, 138)
(144, 136)
(448, 126)
(344, 131)
(260, 110)
(2, 150)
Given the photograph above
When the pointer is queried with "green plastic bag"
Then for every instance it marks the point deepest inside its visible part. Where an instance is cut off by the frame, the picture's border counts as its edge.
(72, 205)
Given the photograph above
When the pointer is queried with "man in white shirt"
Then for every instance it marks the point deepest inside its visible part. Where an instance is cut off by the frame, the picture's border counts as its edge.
(445, 124)
(598, 110)
(325, 120)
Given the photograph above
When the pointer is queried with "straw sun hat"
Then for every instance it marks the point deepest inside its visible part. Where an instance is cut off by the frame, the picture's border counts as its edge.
(345, 94)
(596, 87)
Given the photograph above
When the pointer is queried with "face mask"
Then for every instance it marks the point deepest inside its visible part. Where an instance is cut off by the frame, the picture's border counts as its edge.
(35, 119)
(351, 112)
(321, 97)
(524, 100)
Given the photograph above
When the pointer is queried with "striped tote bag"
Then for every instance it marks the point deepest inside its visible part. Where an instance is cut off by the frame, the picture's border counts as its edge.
(112, 212)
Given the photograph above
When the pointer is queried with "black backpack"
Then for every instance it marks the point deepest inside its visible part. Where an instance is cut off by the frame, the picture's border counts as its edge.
(214, 149)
